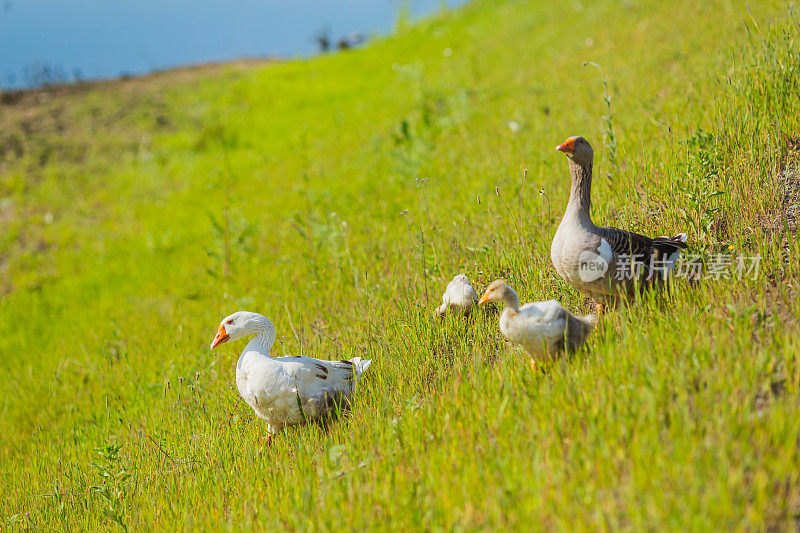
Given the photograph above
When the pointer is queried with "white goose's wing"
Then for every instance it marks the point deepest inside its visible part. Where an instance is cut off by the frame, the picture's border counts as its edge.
(543, 321)
(315, 373)
(322, 385)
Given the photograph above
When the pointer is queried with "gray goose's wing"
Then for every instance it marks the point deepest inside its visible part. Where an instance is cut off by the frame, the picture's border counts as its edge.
(642, 249)
(640, 246)
(627, 243)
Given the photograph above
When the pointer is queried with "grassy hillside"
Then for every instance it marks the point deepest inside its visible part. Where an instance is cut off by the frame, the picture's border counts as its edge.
(337, 196)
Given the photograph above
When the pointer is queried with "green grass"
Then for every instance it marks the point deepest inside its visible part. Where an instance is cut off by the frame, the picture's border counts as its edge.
(136, 215)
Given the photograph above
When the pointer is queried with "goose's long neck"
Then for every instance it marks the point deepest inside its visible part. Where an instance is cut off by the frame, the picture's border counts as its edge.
(512, 300)
(264, 339)
(580, 196)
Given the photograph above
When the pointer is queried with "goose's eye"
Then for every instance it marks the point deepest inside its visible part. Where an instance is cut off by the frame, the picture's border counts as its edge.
(229, 321)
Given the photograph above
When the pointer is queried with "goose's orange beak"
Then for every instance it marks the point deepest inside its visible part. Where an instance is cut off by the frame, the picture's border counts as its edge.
(484, 299)
(222, 336)
(567, 146)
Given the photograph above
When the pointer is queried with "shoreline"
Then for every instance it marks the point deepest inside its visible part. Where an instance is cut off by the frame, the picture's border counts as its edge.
(44, 92)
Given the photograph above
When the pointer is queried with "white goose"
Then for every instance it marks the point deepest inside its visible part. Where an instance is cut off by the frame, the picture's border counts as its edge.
(277, 388)
(543, 329)
(459, 297)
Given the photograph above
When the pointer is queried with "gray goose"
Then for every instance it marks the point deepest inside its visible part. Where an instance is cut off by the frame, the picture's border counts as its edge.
(605, 263)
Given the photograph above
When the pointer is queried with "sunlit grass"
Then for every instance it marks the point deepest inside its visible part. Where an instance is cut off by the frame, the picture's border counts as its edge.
(338, 196)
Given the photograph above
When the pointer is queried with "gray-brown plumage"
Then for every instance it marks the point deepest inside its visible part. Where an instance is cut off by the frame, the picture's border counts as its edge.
(605, 263)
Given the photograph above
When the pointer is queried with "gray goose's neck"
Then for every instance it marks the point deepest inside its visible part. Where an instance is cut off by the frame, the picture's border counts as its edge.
(264, 339)
(580, 196)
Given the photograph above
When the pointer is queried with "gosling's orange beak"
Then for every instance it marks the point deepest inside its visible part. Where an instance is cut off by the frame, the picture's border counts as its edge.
(567, 146)
(222, 336)
(484, 299)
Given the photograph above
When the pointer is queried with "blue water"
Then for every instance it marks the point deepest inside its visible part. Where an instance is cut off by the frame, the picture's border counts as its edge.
(45, 41)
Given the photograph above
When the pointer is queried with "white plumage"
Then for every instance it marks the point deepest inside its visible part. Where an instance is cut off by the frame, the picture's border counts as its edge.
(286, 390)
(459, 297)
(538, 327)
(542, 329)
